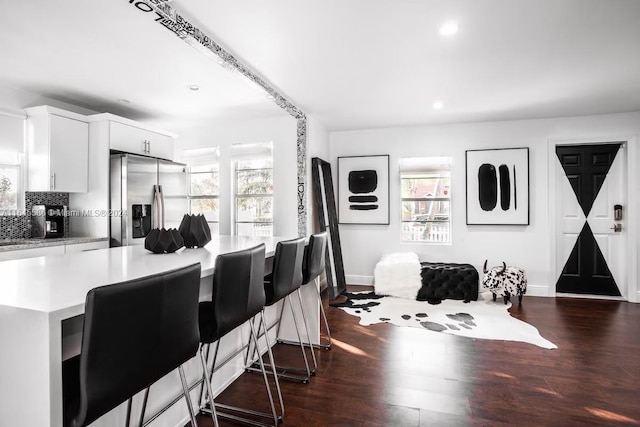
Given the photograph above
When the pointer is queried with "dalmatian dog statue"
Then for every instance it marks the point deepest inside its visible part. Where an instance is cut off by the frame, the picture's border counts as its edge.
(505, 281)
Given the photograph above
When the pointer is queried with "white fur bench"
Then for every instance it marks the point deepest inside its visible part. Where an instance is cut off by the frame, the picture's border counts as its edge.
(398, 275)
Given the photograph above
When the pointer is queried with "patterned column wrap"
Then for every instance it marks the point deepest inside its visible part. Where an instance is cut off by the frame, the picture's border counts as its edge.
(160, 11)
(302, 176)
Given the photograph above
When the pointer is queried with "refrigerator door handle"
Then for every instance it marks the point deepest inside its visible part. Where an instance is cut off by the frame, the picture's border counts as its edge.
(158, 207)
(155, 208)
(161, 201)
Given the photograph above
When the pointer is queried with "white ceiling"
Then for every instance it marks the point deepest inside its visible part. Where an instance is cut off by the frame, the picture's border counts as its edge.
(91, 54)
(351, 64)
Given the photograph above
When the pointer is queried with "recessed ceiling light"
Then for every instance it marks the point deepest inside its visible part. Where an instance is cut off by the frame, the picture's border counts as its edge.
(123, 101)
(438, 105)
(194, 87)
(449, 28)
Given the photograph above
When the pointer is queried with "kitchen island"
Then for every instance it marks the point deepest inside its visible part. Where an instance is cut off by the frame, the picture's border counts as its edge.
(41, 303)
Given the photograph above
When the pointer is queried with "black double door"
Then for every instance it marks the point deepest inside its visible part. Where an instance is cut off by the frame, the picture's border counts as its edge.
(586, 270)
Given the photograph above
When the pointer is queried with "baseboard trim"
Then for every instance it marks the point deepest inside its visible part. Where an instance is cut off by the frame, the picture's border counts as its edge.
(532, 289)
(359, 280)
(537, 290)
(588, 296)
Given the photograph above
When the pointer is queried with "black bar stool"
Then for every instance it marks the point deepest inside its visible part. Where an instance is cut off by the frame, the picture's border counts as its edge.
(312, 267)
(313, 264)
(286, 279)
(134, 333)
(238, 296)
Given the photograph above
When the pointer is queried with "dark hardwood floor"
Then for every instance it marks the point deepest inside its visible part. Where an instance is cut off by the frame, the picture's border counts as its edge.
(384, 375)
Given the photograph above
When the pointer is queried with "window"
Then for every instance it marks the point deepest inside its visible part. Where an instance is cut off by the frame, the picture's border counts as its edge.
(9, 186)
(11, 173)
(204, 185)
(426, 199)
(253, 185)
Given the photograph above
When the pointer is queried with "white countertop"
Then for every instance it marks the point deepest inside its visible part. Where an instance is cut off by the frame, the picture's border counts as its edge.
(7, 245)
(51, 284)
(39, 301)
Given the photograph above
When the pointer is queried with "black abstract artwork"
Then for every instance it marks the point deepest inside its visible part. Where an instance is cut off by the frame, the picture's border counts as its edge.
(505, 187)
(489, 190)
(487, 187)
(498, 186)
(362, 182)
(363, 189)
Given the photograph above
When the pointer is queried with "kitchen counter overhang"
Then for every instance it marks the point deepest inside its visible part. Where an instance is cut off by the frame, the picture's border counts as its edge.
(37, 295)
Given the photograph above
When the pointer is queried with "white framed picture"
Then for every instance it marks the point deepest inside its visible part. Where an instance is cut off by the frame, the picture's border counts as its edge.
(363, 189)
(497, 186)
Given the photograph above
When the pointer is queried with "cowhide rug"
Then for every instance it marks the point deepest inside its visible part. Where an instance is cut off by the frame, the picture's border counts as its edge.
(483, 319)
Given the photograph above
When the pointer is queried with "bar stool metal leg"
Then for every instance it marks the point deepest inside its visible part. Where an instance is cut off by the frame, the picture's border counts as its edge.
(264, 376)
(213, 364)
(187, 396)
(204, 374)
(128, 419)
(222, 407)
(251, 351)
(144, 406)
(306, 328)
(273, 366)
(324, 315)
(306, 370)
(295, 322)
(207, 382)
(279, 323)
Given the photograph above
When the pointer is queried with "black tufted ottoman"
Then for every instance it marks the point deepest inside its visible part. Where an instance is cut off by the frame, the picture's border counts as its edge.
(448, 281)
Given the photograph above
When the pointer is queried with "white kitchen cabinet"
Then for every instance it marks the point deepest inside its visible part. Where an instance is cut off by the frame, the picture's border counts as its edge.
(57, 150)
(133, 137)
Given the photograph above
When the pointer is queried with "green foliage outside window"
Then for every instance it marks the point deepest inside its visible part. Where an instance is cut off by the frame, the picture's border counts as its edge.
(8, 188)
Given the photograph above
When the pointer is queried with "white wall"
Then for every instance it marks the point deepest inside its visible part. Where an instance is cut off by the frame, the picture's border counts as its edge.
(282, 131)
(317, 146)
(526, 247)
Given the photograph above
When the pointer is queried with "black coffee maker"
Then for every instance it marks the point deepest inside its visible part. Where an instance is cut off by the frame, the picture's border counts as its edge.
(48, 221)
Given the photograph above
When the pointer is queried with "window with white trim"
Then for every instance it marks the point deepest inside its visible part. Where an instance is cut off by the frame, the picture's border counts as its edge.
(10, 175)
(425, 184)
(204, 184)
(253, 189)
(11, 160)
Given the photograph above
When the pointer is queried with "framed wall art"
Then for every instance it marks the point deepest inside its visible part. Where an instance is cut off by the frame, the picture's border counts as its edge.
(497, 186)
(363, 189)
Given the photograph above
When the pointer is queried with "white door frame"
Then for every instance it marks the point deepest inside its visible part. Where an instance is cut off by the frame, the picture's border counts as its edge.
(630, 211)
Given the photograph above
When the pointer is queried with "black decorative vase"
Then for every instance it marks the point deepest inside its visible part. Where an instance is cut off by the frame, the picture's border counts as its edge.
(162, 241)
(195, 231)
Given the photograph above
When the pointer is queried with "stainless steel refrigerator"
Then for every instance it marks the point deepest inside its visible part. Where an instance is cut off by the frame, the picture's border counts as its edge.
(148, 192)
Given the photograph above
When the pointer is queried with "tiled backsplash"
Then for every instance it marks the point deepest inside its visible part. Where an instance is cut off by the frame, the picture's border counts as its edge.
(15, 226)
(19, 226)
